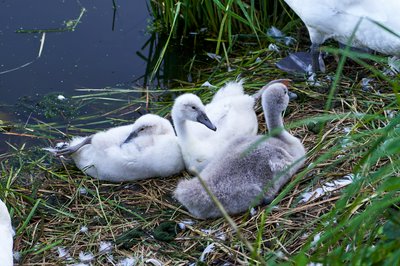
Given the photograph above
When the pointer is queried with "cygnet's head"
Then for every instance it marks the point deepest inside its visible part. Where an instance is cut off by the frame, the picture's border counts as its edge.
(150, 125)
(189, 107)
(275, 97)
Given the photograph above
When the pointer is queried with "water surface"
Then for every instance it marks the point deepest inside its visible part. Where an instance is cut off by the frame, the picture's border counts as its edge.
(102, 51)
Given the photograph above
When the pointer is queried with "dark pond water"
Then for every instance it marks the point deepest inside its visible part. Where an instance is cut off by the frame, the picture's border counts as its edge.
(92, 56)
(107, 48)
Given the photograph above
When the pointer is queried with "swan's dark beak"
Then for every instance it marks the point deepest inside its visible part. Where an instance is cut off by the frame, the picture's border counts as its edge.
(130, 137)
(202, 118)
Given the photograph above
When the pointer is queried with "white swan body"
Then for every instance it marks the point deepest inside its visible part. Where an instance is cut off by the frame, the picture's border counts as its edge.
(6, 236)
(338, 19)
(230, 110)
(148, 148)
(245, 172)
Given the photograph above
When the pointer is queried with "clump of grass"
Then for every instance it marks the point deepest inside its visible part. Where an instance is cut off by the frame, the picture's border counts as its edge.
(221, 20)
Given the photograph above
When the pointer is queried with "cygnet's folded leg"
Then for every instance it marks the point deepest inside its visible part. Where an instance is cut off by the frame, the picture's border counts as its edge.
(72, 149)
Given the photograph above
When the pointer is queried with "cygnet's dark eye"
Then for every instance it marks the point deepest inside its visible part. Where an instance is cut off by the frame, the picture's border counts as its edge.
(194, 107)
(141, 129)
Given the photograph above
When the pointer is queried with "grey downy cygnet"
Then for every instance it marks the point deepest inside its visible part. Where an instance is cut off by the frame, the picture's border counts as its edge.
(251, 168)
(148, 148)
(231, 111)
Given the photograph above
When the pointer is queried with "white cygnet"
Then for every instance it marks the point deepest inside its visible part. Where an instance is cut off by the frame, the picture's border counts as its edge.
(6, 236)
(377, 29)
(148, 148)
(232, 113)
(251, 169)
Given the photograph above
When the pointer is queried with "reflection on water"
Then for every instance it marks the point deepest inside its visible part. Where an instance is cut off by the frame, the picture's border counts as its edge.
(101, 52)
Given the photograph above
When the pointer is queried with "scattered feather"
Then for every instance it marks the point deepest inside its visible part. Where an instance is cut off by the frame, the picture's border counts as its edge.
(127, 262)
(105, 247)
(208, 249)
(275, 33)
(84, 229)
(207, 84)
(82, 191)
(394, 64)
(365, 84)
(315, 264)
(63, 253)
(317, 237)
(253, 211)
(273, 47)
(86, 256)
(214, 56)
(346, 130)
(288, 41)
(391, 113)
(154, 262)
(221, 236)
(327, 187)
(61, 97)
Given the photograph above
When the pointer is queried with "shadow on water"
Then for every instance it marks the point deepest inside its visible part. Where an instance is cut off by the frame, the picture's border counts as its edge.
(82, 76)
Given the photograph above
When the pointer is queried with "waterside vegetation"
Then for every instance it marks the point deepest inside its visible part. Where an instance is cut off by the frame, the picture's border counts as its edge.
(342, 208)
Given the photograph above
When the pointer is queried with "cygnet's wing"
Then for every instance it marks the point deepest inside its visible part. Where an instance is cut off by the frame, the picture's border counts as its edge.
(231, 89)
(279, 159)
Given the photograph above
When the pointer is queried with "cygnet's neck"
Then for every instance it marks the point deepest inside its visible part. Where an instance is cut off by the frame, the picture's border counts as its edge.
(274, 120)
(180, 126)
(273, 117)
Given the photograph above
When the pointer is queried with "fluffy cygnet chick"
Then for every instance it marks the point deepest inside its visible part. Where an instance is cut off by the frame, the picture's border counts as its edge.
(232, 113)
(250, 168)
(6, 236)
(148, 148)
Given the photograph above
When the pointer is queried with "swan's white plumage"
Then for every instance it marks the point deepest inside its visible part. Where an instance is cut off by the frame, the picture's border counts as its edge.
(337, 19)
(230, 110)
(154, 152)
(6, 236)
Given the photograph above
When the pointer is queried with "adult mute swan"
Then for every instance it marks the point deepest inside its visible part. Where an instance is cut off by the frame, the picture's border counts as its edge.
(338, 19)
(230, 110)
(147, 148)
(6, 236)
(250, 167)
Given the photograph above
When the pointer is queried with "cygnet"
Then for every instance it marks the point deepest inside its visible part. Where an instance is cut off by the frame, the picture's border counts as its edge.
(148, 148)
(6, 236)
(230, 111)
(251, 169)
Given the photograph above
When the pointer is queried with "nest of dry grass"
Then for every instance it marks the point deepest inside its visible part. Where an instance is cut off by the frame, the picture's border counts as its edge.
(56, 206)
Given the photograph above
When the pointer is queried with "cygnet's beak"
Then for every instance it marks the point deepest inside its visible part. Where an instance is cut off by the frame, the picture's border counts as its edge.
(130, 137)
(292, 96)
(202, 118)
